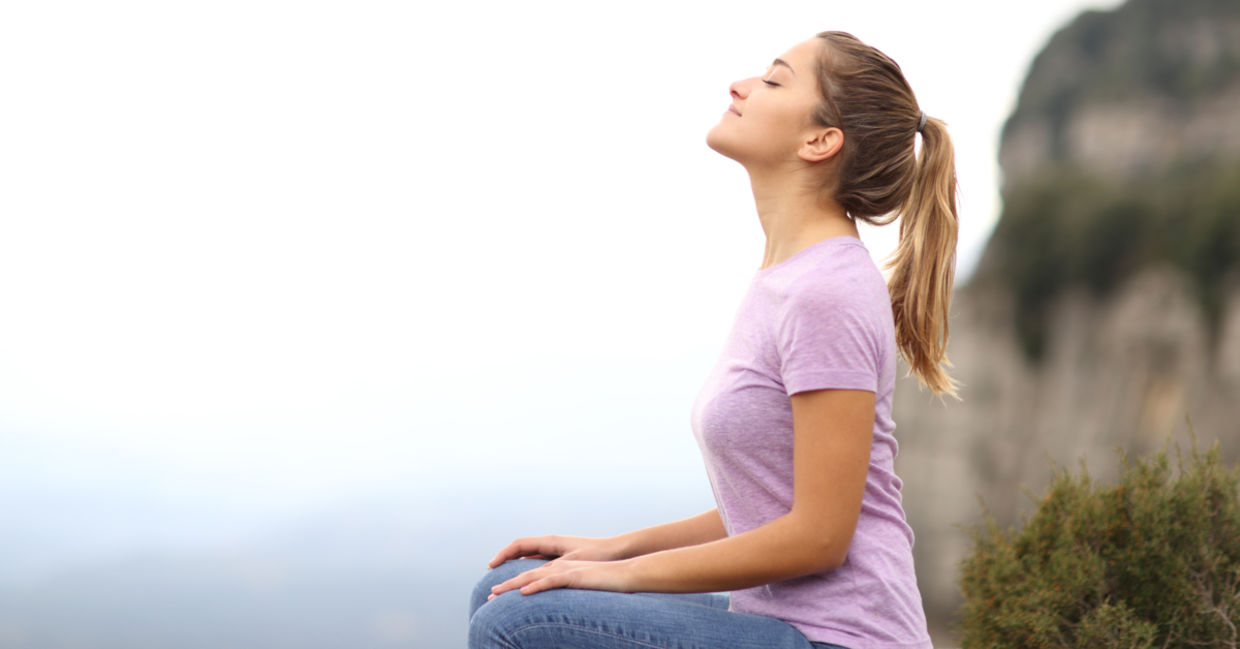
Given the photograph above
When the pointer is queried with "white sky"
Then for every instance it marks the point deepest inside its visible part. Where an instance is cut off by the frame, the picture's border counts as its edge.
(271, 251)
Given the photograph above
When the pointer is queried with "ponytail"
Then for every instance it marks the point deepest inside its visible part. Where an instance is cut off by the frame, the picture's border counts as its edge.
(923, 266)
(865, 94)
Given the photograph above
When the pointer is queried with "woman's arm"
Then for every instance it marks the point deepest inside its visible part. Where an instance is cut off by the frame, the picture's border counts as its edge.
(702, 528)
(831, 448)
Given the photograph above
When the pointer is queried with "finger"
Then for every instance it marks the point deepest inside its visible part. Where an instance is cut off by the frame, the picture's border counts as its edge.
(533, 581)
(524, 547)
(516, 582)
(546, 583)
(507, 552)
(499, 589)
(514, 550)
(501, 559)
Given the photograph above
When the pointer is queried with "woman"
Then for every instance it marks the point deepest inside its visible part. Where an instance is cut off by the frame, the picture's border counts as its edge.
(795, 421)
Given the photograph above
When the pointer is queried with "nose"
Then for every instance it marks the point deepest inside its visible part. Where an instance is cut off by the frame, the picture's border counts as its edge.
(739, 89)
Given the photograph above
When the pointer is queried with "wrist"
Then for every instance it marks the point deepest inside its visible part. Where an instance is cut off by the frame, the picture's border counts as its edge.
(621, 547)
(630, 574)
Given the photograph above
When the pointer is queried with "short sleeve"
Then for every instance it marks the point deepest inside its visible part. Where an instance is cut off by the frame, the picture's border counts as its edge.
(827, 334)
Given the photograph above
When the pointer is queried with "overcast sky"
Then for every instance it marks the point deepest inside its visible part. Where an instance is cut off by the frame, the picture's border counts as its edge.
(264, 253)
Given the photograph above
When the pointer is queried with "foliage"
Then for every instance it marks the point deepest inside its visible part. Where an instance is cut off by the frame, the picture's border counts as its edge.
(1068, 228)
(1153, 561)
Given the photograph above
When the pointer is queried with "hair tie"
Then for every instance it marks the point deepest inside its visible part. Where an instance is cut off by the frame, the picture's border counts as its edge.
(921, 123)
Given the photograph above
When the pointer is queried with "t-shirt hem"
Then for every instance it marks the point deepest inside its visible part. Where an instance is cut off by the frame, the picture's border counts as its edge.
(853, 642)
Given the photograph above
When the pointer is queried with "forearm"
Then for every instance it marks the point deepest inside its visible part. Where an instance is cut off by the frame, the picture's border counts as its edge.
(703, 528)
(785, 548)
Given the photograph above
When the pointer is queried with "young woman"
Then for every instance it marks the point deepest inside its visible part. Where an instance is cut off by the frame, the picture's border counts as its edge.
(794, 422)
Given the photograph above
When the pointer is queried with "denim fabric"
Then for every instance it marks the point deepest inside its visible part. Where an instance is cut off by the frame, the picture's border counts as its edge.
(567, 618)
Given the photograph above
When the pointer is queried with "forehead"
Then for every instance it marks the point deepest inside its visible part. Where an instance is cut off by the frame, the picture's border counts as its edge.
(801, 56)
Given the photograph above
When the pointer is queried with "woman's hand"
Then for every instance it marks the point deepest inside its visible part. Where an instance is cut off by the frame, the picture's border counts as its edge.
(577, 548)
(564, 573)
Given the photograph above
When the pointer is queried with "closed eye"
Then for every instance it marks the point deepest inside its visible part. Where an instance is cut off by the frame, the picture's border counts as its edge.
(770, 83)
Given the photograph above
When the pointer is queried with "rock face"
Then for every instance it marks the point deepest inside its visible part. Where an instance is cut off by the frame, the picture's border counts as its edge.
(1142, 103)
(1129, 372)
(1123, 93)
(1125, 139)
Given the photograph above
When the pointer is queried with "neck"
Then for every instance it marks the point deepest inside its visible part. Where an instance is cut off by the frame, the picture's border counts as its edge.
(792, 215)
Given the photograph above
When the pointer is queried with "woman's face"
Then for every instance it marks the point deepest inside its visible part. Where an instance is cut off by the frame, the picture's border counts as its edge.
(770, 115)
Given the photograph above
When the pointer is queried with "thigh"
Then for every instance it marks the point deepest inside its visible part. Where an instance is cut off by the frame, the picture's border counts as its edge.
(713, 600)
(569, 618)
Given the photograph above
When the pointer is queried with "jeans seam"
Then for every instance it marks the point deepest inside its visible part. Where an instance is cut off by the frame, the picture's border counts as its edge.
(587, 630)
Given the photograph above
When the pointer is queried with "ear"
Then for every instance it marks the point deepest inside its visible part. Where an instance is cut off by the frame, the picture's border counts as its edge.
(821, 144)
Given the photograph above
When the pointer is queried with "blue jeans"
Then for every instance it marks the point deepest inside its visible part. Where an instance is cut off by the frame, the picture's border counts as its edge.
(566, 618)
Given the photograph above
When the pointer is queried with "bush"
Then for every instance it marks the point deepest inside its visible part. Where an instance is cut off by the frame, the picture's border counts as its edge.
(1153, 561)
(1069, 229)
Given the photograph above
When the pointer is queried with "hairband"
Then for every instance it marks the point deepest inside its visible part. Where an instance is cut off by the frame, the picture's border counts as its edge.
(922, 123)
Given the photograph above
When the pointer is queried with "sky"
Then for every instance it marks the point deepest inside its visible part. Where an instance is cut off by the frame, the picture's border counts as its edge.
(266, 255)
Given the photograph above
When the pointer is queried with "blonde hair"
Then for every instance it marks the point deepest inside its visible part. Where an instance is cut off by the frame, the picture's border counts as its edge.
(881, 177)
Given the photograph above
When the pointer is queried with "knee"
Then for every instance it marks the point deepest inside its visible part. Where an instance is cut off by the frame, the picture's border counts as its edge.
(489, 625)
(513, 620)
(498, 575)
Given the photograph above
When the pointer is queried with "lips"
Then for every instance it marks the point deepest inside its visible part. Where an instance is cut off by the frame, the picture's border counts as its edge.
(732, 109)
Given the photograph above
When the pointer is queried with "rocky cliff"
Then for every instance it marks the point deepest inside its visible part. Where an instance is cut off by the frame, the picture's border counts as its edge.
(1123, 93)
(1106, 311)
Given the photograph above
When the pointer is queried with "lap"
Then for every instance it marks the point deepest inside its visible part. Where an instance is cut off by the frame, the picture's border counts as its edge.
(564, 618)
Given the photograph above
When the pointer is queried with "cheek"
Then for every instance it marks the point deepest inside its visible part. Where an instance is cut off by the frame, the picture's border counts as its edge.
(769, 129)
(780, 126)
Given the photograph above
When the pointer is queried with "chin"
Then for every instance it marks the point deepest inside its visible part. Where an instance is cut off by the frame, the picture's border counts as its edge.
(719, 144)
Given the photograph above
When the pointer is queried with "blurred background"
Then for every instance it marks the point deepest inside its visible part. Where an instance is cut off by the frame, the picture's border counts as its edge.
(306, 309)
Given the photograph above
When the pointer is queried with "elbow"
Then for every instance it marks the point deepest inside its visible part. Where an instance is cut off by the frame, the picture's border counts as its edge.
(833, 558)
(829, 553)
(825, 544)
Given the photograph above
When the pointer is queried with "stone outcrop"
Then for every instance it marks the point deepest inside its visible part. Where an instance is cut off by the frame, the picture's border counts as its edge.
(1130, 372)
(1129, 100)
(1123, 93)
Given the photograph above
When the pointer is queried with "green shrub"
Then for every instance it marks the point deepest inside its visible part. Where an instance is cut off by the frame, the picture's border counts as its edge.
(1153, 561)
(1068, 228)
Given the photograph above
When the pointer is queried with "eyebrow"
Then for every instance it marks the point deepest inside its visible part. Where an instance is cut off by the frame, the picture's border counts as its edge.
(785, 64)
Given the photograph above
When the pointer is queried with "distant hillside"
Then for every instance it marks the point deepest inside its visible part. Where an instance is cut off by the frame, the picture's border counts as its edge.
(1123, 153)
(1106, 309)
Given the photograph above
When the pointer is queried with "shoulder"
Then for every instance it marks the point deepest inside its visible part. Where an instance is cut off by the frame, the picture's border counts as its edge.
(846, 280)
(834, 322)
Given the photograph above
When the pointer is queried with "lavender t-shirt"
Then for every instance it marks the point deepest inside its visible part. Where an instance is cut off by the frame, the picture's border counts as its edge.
(820, 319)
